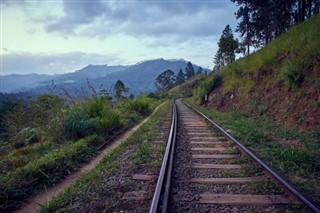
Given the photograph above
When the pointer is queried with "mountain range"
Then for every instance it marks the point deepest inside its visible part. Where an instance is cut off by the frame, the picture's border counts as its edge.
(138, 78)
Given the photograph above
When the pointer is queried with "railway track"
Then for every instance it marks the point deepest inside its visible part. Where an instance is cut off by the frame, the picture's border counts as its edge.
(206, 170)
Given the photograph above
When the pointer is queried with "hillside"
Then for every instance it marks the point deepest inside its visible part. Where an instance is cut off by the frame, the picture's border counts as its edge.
(280, 80)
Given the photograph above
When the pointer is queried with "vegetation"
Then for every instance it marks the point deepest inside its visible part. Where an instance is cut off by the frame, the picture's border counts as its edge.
(98, 182)
(120, 88)
(227, 49)
(165, 80)
(189, 70)
(290, 57)
(263, 21)
(46, 139)
(206, 86)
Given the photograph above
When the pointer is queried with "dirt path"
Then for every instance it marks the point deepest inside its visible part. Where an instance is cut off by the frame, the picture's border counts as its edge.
(32, 205)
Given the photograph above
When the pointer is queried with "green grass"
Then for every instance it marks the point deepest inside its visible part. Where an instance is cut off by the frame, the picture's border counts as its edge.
(292, 152)
(75, 196)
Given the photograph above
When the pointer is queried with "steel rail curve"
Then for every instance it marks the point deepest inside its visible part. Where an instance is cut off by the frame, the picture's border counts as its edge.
(285, 182)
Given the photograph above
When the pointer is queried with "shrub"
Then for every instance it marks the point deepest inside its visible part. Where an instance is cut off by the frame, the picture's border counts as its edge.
(27, 136)
(207, 86)
(110, 121)
(94, 107)
(141, 105)
(77, 125)
(291, 74)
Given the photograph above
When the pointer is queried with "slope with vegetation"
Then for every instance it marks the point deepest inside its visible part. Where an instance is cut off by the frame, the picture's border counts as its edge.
(44, 140)
(280, 80)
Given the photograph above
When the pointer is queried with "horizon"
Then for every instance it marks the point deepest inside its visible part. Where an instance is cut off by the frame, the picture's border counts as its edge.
(64, 36)
(109, 65)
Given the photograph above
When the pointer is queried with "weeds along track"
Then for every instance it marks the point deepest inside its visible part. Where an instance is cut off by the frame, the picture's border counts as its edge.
(212, 172)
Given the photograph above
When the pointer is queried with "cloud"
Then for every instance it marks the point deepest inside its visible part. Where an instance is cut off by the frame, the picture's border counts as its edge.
(22, 63)
(77, 13)
(184, 19)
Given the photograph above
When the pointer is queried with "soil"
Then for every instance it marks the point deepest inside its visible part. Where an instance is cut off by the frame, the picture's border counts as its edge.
(300, 106)
(33, 204)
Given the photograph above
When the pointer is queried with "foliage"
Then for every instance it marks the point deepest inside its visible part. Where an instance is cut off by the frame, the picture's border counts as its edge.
(51, 149)
(263, 21)
(206, 86)
(180, 77)
(76, 195)
(76, 126)
(48, 169)
(165, 80)
(141, 105)
(290, 74)
(120, 88)
(227, 48)
(189, 72)
(300, 46)
(27, 136)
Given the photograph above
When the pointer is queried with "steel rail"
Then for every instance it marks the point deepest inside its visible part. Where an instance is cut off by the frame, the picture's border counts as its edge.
(155, 205)
(270, 170)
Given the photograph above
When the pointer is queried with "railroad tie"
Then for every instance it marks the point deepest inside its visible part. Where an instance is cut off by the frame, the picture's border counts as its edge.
(238, 180)
(244, 199)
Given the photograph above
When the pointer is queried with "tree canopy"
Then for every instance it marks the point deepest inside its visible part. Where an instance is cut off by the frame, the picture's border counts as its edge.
(180, 77)
(189, 70)
(262, 21)
(119, 89)
(165, 80)
(227, 48)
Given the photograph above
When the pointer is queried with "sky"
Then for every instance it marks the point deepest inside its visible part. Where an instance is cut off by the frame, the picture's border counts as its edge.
(60, 36)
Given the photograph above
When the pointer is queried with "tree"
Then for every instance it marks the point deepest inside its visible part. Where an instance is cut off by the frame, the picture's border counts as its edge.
(180, 77)
(263, 21)
(189, 70)
(218, 60)
(227, 48)
(165, 80)
(199, 71)
(119, 89)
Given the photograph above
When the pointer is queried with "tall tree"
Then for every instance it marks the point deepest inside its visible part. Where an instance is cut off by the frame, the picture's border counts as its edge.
(180, 77)
(263, 20)
(165, 80)
(218, 61)
(228, 46)
(120, 88)
(189, 70)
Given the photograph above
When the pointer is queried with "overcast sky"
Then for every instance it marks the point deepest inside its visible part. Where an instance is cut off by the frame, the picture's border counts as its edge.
(53, 36)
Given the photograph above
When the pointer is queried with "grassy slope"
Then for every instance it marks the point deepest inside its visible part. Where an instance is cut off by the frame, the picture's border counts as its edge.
(280, 80)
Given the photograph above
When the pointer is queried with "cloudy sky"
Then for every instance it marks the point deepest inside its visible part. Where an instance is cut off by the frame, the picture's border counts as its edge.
(59, 36)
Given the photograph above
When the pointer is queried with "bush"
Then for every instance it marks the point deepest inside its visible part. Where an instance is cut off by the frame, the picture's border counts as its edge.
(207, 86)
(141, 105)
(27, 136)
(291, 74)
(77, 125)
(110, 121)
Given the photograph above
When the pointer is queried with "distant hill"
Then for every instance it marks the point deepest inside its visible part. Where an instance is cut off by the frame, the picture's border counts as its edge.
(138, 78)
(282, 80)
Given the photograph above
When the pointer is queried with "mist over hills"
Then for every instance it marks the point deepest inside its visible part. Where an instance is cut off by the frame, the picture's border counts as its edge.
(138, 78)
